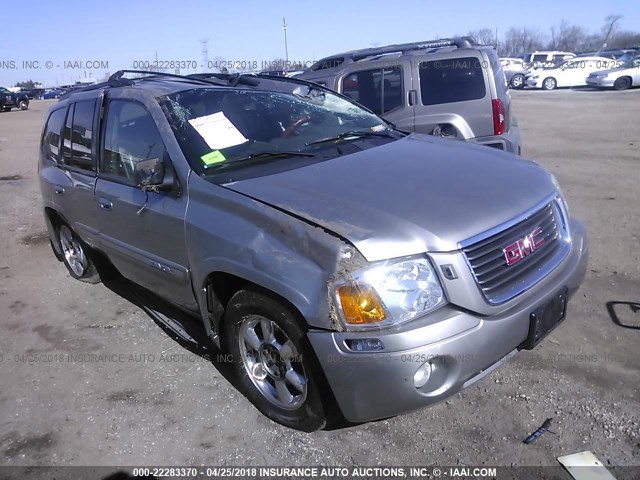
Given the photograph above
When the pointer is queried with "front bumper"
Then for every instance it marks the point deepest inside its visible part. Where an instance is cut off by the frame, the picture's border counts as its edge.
(533, 82)
(461, 346)
(600, 82)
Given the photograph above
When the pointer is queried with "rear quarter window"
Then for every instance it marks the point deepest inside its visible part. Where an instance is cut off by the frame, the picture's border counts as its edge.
(451, 80)
(51, 136)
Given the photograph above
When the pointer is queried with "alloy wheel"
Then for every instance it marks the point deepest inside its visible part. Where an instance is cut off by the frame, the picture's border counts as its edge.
(72, 250)
(272, 362)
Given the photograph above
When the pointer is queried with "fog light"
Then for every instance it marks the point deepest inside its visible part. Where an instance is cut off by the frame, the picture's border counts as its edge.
(422, 375)
(365, 345)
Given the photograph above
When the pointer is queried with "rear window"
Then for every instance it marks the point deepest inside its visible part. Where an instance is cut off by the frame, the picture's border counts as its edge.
(451, 80)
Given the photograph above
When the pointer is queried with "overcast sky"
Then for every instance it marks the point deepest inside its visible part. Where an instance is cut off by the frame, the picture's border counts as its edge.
(62, 36)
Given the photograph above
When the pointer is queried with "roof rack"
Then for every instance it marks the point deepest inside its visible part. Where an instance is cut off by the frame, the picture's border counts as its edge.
(97, 86)
(355, 55)
(232, 79)
(118, 76)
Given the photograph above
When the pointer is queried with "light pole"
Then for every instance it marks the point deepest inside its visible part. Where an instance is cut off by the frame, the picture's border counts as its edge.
(286, 48)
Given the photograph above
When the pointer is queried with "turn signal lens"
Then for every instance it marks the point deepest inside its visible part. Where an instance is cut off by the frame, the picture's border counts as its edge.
(361, 304)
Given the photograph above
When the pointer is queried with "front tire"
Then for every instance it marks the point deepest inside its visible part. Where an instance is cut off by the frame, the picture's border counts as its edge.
(549, 83)
(517, 81)
(75, 256)
(622, 83)
(271, 361)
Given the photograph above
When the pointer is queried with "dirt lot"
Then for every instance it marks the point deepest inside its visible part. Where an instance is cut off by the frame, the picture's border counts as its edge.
(160, 403)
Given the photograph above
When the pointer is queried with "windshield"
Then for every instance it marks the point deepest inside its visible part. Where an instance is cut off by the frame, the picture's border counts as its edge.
(222, 129)
(632, 63)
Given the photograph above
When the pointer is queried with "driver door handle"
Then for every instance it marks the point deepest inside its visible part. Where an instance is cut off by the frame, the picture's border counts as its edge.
(106, 204)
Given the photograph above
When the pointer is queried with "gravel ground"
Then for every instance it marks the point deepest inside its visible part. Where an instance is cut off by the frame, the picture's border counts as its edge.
(159, 403)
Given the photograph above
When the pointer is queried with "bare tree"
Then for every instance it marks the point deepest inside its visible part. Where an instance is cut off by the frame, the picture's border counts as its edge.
(624, 39)
(567, 37)
(521, 40)
(485, 36)
(610, 24)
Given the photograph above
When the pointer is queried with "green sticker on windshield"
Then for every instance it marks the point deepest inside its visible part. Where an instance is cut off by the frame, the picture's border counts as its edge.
(213, 157)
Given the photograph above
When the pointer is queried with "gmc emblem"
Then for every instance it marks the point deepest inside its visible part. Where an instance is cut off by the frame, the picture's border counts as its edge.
(518, 250)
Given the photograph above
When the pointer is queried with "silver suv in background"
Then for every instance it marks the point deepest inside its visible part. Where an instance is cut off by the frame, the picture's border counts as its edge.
(450, 88)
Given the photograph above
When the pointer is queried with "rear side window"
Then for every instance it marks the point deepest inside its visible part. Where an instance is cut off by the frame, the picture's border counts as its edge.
(51, 137)
(78, 136)
(379, 90)
(130, 136)
(498, 76)
(540, 58)
(451, 80)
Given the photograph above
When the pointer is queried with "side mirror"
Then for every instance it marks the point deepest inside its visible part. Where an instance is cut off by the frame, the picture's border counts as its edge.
(151, 175)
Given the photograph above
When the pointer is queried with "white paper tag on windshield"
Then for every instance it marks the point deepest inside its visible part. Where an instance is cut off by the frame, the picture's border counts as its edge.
(218, 131)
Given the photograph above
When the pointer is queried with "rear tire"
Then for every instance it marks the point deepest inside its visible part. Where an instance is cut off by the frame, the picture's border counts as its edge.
(23, 105)
(622, 83)
(7, 109)
(272, 362)
(76, 256)
(549, 83)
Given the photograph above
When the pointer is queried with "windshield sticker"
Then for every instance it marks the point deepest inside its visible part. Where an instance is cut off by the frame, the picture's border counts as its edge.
(218, 131)
(378, 128)
(213, 157)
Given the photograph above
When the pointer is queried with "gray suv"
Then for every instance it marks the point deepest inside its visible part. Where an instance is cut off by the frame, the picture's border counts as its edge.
(348, 268)
(452, 88)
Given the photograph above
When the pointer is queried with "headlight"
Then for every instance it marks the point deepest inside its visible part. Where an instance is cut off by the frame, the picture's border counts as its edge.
(389, 293)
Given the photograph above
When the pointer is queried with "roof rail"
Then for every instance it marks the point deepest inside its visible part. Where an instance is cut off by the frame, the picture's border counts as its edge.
(97, 86)
(118, 80)
(118, 76)
(355, 55)
(232, 79)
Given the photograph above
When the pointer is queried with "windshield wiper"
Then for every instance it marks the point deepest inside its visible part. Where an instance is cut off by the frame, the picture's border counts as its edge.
(259, 157)
(352, 133)
(275, 155)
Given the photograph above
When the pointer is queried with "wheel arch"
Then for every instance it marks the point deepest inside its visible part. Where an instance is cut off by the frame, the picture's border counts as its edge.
(220, 286)
(627, 77)
(53, 219)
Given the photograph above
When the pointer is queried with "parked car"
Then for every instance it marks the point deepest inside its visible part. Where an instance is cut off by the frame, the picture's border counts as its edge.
(615, 54)
(572, 73)
(9, 100)
(449, 87)
(514, 71)
(33, 93)
(546, 59)
(625, 76)
(341, 262)
(52, 93)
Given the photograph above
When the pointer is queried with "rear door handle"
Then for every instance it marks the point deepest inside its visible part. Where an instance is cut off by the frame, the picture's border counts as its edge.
(412, 97)
(59, 190)
(106, 204)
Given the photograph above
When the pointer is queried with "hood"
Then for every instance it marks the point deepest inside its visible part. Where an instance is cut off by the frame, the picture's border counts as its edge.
(408, 196)
(619, 70)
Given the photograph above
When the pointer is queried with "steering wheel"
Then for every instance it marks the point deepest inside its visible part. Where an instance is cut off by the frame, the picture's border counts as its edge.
(294, 126)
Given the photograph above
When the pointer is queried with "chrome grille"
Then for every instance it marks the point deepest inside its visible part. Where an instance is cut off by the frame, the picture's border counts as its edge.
(499, 281)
